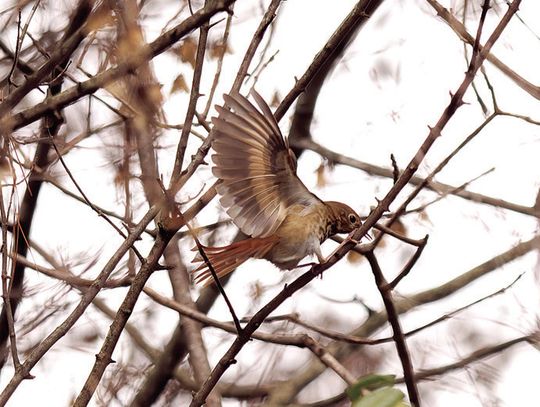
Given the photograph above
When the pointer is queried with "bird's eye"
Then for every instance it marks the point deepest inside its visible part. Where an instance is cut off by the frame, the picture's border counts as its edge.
(352, 218)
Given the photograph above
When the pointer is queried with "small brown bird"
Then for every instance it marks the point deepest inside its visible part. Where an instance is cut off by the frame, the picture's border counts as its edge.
(263, 195)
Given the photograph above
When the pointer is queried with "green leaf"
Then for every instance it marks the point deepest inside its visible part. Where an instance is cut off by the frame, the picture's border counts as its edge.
(385, 397)
(369, 382)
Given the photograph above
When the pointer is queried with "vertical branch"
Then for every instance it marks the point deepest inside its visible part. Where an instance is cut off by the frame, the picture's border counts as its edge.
(75, 34)
(49, 128)
(193, 98)
(455, 102)
(103, 358)
(399, 338)
(38, 352)
(223, 44)
(141, 126)
(6, 283)
(198, 159)
(305, 105)
(177, 347)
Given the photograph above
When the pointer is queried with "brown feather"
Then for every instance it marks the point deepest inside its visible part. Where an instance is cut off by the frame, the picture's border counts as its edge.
(227, 258)
(262, 194)
(257, 169)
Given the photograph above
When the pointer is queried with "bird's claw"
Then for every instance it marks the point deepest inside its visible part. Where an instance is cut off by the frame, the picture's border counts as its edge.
(310, 264)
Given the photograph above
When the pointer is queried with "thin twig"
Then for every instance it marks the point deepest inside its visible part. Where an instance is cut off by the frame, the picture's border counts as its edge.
(192, 104)
(224, 44)
(71, 95)
(410, 264)
(443, 195)
(415, 180)
(403, 207)
(460, 30)
(37, 352)
(89, 203)
(455, 102)
(208, 263)
(6, 291)
(399, 338)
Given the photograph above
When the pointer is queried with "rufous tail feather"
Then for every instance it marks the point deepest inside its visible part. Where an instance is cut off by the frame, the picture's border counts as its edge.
(227, 258)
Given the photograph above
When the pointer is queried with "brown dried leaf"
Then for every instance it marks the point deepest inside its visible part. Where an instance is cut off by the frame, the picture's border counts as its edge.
(119, 175)
(424, 217)
(354, 258)
(187, 51)
(217, 49)
(102, 17)
(383, 241)
(276, 99)
(321, 178)
(179, 84)
(399, 227)
(5, 169)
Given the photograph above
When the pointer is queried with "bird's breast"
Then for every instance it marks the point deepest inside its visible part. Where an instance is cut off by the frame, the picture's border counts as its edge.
(300, 235)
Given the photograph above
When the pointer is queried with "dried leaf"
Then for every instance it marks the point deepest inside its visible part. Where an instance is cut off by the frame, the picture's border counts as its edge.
(179, 84)
(321, 178)
(187, 51)
(399, 227)
(119, 175)
(354, 258)
(276, 99)
(424, 217)
(218, 49)
(5, 169)
(90, 337)
(102, 17)
(129, 43)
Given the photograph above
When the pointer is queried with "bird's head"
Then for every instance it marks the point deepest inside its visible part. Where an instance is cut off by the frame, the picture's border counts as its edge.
(344, 217)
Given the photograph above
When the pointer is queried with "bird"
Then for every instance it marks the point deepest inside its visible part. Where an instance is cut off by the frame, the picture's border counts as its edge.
(261, 192)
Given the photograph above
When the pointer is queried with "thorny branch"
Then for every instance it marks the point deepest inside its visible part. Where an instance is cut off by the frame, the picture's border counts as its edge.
(166, 362)
(456, 101)
(50, 126)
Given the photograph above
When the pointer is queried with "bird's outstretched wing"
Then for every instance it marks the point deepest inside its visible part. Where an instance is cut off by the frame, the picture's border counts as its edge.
(256, 166)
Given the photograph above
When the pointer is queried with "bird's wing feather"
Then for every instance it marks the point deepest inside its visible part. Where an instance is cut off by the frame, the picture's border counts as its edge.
(256, 166)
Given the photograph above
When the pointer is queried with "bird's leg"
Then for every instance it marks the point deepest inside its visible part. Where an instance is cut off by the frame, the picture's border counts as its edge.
(355, 241)
(310, 264)
(350, 239)
(320, 259)
(319, 255)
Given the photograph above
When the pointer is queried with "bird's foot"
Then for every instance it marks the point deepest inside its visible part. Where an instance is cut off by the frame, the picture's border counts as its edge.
(310, 264)
(354, 241)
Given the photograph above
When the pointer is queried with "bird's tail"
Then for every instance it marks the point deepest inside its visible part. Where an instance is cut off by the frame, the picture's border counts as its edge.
(227, 258)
